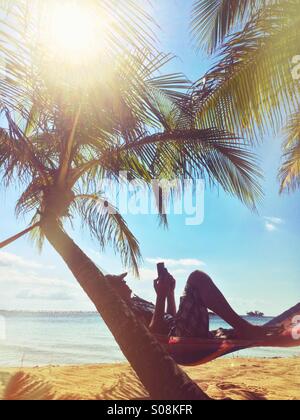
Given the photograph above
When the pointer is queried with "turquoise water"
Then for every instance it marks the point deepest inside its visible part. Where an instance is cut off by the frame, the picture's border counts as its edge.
(67, 339)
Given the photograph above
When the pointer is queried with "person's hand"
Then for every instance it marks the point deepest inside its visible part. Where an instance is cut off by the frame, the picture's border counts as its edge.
(162, 287)
(172, 281)
(165, 285)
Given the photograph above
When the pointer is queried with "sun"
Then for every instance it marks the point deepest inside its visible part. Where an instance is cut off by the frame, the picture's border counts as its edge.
(73, 31)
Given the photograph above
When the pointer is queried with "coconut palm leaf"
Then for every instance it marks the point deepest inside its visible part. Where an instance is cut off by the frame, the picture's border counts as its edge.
(125, 24)
(24, 387)
(290, 171)
(213, 20)
(31, 199)
(212, 154)
(77, 134)
(109, 228)
(128, 27)
(18, 236)
(216, 155)
(251, 88)
(17, 157)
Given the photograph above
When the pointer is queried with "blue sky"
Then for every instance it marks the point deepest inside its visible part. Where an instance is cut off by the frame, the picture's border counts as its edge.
(253, 258)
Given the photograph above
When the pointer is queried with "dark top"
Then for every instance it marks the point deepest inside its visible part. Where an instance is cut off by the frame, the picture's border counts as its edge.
(145, 310)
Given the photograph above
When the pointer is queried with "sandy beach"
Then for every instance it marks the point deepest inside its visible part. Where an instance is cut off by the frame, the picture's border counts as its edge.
(239, 379)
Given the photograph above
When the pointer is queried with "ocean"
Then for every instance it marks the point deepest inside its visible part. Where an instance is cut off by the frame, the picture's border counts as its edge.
(40, 339)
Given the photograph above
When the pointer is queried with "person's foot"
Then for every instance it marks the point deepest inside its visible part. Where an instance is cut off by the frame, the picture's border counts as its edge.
(247, 332)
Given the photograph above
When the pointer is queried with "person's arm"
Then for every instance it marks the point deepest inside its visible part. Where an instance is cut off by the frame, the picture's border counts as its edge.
(171, 309)
(162, 289)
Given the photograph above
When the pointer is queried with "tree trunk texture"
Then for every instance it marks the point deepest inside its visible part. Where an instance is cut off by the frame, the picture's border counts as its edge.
(158, 372)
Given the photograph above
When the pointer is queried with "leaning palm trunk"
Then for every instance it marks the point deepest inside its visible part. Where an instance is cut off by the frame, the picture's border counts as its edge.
(158, 372)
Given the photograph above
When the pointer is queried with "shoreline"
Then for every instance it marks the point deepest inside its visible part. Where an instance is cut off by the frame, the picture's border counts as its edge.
(124, 362)
(236, 378)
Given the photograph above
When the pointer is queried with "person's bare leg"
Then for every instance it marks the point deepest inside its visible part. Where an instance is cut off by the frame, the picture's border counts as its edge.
(214, 300)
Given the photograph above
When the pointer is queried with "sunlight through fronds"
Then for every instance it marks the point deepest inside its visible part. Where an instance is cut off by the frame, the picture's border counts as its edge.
(213, 20)
(251, 89)
(72, 31)
(65, 130)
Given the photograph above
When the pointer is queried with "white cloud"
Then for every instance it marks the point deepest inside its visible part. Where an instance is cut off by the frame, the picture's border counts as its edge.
(14, 261)
(25, 278)
(25, 285)
(148, 274)
(184, 262)
(179, 268)
(272, 223)
(43, 294)
(274, 220)
(270, 227)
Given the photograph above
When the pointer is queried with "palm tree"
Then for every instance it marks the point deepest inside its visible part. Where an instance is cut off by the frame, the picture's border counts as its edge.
(251, 90)
(66, 128)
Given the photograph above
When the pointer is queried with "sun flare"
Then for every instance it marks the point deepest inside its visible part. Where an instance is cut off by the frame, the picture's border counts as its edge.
(73, 31)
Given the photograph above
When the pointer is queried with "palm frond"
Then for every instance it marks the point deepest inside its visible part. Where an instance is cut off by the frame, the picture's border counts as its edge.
(124, 98)
(290, 171)
(214, 154)
(36, 234)
(21, 155)
(109, 228)
(213, 20)
(24, 387)
(19, 235)
(31, 198)
(127, 23)
(29, 71)
(15, 163)
(251, 89)
(145, 90)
